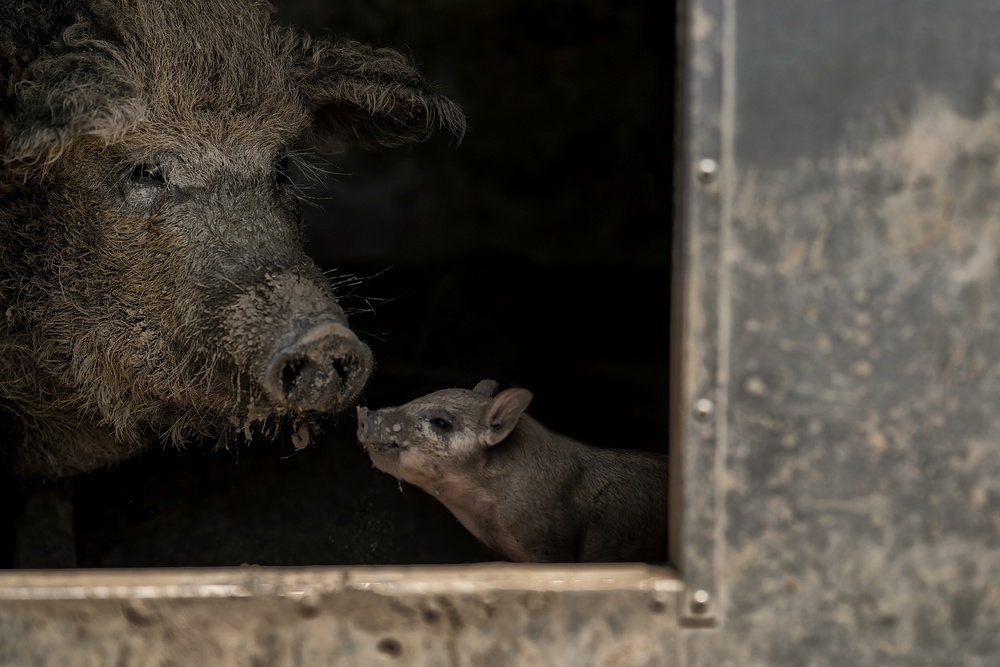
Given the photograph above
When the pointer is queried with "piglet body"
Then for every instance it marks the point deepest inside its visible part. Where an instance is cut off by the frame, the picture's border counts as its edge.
(528, 493)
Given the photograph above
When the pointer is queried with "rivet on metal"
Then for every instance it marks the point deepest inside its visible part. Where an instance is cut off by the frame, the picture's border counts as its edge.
(699, 602)
(707, 170)
(703, 408)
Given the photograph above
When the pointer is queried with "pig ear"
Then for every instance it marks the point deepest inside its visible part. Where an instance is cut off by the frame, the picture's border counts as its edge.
(486, 387)
(64, 99)
(370, 98)
(503, 413)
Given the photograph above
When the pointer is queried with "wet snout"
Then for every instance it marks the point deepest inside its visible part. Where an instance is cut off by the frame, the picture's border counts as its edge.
(383, 430)
(372, 426)
(322, 368)
(366, 424)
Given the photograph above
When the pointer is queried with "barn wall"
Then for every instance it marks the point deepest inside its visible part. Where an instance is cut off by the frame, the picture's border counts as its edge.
(856, 455)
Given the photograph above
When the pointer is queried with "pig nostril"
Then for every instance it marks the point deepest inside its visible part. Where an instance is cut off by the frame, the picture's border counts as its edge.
(343, 370)
(321, 369)
(291, 374)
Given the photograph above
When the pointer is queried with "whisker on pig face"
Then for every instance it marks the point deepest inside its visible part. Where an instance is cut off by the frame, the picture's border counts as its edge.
(306, 164)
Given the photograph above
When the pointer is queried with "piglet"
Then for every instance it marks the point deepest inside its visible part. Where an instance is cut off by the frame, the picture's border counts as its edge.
(527, 493)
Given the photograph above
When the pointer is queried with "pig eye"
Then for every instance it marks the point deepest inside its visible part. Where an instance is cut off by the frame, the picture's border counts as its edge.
(146, 173)
(440, 423)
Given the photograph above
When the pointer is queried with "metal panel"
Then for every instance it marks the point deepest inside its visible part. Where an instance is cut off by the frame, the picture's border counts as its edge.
(860, 469)
(698, 390)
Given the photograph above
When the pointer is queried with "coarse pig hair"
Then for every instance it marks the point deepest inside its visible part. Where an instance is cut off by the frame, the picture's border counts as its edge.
(85, 378)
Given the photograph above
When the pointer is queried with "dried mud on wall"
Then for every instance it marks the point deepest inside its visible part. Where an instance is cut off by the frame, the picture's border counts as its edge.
(861, 489)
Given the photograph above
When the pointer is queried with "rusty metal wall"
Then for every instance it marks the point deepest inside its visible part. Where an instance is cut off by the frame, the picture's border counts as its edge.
(843, 200)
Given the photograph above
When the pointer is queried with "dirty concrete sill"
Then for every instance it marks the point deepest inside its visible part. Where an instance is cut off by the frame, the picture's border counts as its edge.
(258, 581)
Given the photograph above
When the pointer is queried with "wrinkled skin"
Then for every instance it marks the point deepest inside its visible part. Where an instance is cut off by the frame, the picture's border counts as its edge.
(152, 280)
(524, 491)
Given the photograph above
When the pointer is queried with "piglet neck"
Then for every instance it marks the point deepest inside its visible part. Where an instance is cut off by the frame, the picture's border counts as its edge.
(471, 502)
(478, 494)
(527, 444)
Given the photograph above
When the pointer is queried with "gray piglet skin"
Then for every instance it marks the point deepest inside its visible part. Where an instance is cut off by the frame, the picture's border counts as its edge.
(528, 493)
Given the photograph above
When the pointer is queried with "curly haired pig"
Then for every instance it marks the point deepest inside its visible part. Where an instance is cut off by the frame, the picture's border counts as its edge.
(524, 491)
(152, 280)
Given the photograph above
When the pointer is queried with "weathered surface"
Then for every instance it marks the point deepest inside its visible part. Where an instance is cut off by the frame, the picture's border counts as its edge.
(528, 615)
(526, 492)
(151, 275)
(857, 504)
(863, 451)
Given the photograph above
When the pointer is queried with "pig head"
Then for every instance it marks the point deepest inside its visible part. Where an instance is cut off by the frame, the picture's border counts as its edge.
(152, 280)
(442, 437)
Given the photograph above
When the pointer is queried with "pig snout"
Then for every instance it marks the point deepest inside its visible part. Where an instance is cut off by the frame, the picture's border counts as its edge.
(375, 430)
(369, 424)
(321, 369)
(365, 419)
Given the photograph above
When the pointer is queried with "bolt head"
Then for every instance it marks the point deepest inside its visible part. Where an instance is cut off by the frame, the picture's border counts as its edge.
(699, 602)
(708, 169)
(703, 409)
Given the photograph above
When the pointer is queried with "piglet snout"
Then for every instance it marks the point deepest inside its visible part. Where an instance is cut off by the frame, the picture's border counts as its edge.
(364, 418)
(376, 429)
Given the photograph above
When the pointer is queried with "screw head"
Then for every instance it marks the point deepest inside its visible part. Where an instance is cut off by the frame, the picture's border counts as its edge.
(703, 409)
(699, 602)
(708, 169)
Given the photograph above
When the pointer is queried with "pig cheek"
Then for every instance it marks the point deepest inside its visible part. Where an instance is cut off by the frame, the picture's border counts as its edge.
(412, 460)
(421, 462)
(463, 443)
(407, 467)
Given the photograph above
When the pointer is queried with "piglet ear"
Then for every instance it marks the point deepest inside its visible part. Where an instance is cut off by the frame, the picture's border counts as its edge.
(370, 98)
(503, 413)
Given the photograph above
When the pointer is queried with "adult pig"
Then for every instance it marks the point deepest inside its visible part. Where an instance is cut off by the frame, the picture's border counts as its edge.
(524, 491)
(152, 280)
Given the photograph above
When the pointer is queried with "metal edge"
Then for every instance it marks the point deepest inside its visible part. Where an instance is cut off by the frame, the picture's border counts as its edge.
(250, 581)
(697, 308)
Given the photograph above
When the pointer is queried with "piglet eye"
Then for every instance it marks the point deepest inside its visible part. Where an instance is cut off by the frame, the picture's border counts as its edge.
(441, 423)
(147, 173)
